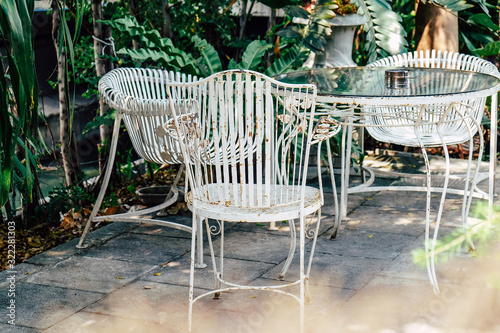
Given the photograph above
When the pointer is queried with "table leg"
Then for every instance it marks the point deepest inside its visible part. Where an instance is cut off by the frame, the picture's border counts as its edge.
(493, 153)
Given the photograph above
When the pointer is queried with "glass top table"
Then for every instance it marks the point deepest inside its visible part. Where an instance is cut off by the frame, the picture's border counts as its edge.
(368, 85)
(405, 103)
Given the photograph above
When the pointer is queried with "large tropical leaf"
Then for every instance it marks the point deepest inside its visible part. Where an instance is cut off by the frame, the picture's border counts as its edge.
(169, 61)
(384, 33)
(161, 49)
(208, 54)
(289, 61)
(253, 54)
(18, 92)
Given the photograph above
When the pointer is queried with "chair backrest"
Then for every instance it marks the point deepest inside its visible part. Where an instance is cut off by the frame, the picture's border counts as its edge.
(399, 129)
(140, 97)
(439, 59)
(242, 136)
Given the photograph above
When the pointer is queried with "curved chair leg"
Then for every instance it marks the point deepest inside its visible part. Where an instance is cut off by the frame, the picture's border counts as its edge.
(213, 231)
(467, 200)
(336, 225)
(440, 213)
(493, 156)
(104, 185)
(313, 248)
(191, 268)
(302, 294)
(291, 251)
(427, 215)
(345, 168)
(199, 253)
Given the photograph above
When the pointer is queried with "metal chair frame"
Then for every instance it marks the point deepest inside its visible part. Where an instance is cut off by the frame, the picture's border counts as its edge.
(245, 163)
(134, 93)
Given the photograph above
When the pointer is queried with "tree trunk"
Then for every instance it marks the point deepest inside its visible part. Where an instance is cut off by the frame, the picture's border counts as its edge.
(435, 28)
(166, 29)
(102, 67)
(271, 40)
(69, 151)
(132, 9)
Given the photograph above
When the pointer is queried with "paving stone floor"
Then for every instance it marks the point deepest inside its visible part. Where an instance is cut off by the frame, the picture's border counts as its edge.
(134, 278)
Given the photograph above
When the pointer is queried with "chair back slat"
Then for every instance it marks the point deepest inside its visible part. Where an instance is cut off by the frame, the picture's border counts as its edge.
(140, 96)
(250, 135)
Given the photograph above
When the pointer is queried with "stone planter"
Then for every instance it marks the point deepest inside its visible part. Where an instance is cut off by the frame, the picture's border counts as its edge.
(155, 195)
(338, 47)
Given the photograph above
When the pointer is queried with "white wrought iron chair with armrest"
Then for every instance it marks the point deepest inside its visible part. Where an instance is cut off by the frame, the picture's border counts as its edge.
(246, 141)
(135, 93)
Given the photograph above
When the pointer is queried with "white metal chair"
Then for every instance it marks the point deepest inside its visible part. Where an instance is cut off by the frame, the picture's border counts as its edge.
(246, 141)
(434, 125)
(135, 93)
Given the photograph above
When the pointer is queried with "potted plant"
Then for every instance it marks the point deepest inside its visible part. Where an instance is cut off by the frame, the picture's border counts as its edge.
(338, 47)
(315, 21)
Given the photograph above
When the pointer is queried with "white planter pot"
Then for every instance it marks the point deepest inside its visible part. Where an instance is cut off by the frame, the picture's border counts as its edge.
(338, 47)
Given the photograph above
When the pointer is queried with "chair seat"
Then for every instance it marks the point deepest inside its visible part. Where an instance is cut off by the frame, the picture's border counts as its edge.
(245, 213)
(406, 136)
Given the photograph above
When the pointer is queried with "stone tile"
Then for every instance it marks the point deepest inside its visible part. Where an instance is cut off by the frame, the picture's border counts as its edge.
(147, 249)
(56, 254)
(164, 230)
(283, 227)
(385, 304)
(7, 328)
(69, 249)
(263, 311)
(238, 271)
(340, 271)
(385, 219)
(404, 267)
(264, 247)
(405, 200)
(84, 322)
(322, 297)
(107, 232)
(393, 304)
(92, 274)
(21, 271)
(163, 304)
(41, 306)
(365, 243)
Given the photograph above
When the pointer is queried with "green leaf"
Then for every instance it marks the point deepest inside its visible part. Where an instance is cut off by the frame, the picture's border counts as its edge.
(491, 49)
(233, 64)
(209, 55)
(106, 119)
(289, 32)
(483, 20)
(390, 36)
(298, 12)
(253, 54)
(287, 62)
(171, 61)
(468, 43)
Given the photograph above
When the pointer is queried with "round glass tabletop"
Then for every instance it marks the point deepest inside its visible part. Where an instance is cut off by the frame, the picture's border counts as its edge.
(394, 83)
